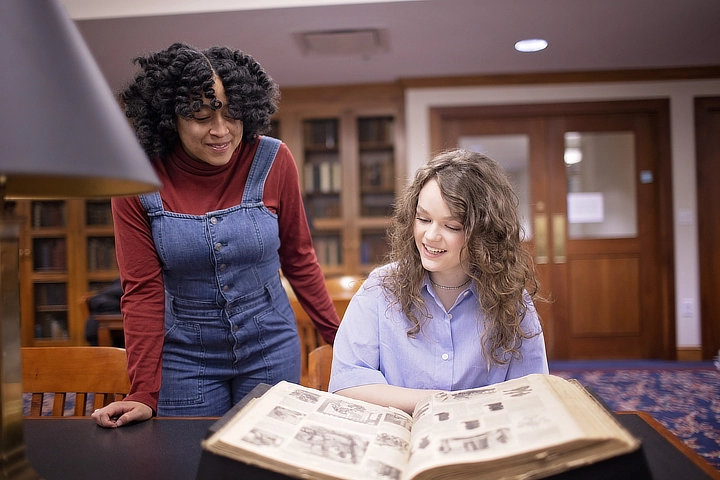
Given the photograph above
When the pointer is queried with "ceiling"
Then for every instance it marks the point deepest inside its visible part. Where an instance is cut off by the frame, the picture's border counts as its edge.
(424, 38)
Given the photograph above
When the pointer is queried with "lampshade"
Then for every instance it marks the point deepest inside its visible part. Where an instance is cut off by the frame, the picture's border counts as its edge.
(62, 132)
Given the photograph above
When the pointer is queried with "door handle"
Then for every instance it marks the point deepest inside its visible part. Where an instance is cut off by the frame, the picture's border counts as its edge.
(558, 228)
(541, 238)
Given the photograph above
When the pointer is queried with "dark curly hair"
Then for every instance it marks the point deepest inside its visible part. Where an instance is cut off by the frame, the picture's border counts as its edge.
(172, 82)
(478, 194)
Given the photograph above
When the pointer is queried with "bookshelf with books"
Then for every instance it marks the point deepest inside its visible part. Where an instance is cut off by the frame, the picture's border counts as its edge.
(377, 165)
(67, 249)
(348, 146)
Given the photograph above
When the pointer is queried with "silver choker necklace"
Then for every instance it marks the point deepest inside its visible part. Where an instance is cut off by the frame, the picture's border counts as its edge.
(449, 288)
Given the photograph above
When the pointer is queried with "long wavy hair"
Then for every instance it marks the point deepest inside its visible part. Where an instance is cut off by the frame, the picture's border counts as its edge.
(478, 194)
(171, 83)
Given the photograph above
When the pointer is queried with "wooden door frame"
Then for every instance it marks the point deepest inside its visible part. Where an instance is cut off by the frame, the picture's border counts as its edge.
(659, 112)
(708, 176)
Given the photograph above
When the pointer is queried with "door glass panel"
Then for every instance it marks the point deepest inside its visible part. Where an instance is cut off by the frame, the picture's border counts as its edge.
(512, 152)
(601, 198)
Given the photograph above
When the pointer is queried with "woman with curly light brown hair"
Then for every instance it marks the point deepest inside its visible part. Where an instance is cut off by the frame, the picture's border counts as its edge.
(453, 309)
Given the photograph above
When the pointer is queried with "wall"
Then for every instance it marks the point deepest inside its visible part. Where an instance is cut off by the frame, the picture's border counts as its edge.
(418, 102)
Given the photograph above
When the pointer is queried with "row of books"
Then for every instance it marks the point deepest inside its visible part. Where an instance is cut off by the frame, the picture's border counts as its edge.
(377, 170)
(49, 325)
(323, 177)
(373, 249)
(325, 206)
(49, 254)
(98, 213)
(328, 250)
(101, 253)
(48, 214)
(322, 133)
(377, 204)
(376, 130)
(51, 294)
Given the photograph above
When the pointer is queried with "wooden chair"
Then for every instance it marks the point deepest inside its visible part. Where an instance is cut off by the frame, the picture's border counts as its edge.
(109, 325)
(84, 309)
(319, 364)
(98, 374)
(341, 290)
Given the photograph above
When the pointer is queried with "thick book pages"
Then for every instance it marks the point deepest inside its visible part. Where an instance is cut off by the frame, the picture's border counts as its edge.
(531, 427)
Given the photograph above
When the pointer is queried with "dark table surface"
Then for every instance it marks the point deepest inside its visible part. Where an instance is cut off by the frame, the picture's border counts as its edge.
(169, 448)
(76, 448)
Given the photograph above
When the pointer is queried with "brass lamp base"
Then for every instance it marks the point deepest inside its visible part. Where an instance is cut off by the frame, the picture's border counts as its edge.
(13, 463)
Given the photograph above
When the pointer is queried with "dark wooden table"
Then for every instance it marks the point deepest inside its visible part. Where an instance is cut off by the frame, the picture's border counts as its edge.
(76, 448)
(169, 448)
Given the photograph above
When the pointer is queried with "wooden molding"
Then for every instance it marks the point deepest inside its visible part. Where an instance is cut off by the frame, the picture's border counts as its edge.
(689, 354)
(638, 75)
(393, 92)
(373, 93)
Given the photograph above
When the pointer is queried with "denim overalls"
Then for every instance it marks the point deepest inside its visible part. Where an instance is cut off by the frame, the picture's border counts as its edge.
(228, 321)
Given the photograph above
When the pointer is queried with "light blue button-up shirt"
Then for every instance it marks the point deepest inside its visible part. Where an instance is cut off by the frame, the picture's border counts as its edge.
(372, 345)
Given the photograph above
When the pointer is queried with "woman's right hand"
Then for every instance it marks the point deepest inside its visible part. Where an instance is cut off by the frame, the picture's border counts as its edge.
(120, 413)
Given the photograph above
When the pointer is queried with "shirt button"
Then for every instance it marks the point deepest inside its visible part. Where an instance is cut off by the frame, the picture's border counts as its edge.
(445, 356)
(218, 246)
(213, 220)
(449, 316)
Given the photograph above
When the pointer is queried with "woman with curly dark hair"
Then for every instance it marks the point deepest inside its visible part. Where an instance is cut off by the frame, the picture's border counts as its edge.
(206, 317)
(453, 309)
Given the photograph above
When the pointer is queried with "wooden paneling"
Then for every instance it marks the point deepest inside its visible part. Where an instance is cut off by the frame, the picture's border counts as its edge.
(707, 128)
(604, 296)
(595, 76)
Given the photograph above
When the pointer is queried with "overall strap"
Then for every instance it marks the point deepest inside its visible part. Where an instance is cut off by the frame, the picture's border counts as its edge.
(152, 202)
(263, 160)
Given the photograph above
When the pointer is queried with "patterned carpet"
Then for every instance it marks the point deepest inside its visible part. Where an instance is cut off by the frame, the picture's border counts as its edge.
(683, 396)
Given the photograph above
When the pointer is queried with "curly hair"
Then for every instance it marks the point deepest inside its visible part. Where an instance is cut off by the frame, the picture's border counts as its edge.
(171, 83)
(478, 194)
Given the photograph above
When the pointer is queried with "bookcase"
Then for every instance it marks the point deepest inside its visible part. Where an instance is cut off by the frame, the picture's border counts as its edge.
(348, 144)
(67, 249)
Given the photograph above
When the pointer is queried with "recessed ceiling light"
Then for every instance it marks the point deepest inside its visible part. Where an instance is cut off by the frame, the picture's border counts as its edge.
(531, 45)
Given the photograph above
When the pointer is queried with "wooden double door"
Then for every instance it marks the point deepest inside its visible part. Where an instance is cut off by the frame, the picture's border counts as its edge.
(594, 186)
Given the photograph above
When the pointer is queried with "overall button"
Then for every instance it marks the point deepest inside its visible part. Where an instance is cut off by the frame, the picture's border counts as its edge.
(223, 266)
(218, 246)
(213, 220)
(235, 328)
(225, 288)
(445, 356)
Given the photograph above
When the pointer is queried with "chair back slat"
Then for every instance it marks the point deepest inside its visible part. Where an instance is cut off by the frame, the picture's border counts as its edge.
(319, 365)
(86, 372)
(36, 403)
(341, 290)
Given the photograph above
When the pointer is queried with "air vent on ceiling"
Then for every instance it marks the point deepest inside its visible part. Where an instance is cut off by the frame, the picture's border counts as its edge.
(343, 42)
